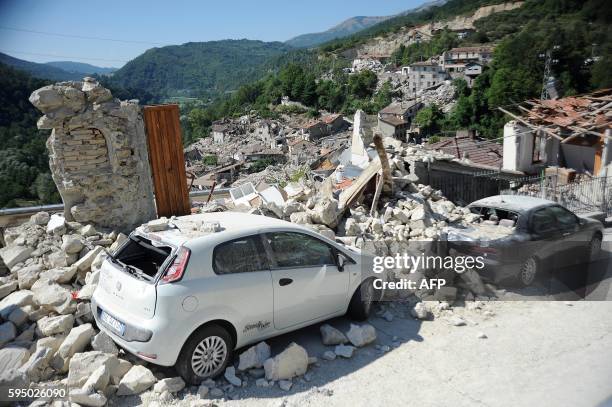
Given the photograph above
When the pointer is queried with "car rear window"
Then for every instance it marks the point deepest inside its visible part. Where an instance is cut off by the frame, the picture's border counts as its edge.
(241, 255)
(142, 254)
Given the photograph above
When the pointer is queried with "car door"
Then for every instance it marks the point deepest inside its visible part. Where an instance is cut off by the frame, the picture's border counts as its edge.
(244, 284)
(572, 240)
(307, 283)
(545, 236)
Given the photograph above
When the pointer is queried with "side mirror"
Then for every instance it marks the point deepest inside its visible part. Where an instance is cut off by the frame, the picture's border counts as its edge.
(340, 262)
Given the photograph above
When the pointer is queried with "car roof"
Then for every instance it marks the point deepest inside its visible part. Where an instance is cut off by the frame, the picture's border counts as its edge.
(188, 228)
(515, 203)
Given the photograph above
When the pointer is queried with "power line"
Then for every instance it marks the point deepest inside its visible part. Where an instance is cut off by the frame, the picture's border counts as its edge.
(78, 36)
(63, 56)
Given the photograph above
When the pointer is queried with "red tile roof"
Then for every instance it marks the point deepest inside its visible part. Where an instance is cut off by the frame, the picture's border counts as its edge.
(478, 151)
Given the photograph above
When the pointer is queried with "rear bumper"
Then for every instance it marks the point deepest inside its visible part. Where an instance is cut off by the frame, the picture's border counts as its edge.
(160, 349)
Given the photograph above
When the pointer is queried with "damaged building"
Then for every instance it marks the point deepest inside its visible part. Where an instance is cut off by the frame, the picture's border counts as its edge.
(573, 132)
(97, 154)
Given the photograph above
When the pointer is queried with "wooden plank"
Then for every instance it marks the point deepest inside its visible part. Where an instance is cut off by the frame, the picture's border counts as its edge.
(167, 160)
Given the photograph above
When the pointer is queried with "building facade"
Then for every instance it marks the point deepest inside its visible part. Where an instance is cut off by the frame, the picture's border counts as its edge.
(424, 75)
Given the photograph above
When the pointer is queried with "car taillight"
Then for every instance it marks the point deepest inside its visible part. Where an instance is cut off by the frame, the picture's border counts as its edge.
(484, 250)
(177, 268)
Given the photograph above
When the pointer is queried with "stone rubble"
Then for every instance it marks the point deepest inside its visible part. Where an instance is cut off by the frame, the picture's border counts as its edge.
(291, 362)
(361, 335)
(135, 381)
(346, 351)
(44, 307)
(254, 357)
(331, 335)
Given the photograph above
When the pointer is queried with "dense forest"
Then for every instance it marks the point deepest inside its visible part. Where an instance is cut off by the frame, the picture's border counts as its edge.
(198, 69)
(24, 164)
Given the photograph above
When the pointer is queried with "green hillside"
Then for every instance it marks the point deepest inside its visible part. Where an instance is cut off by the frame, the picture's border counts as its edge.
(24, 165)
(198, 69)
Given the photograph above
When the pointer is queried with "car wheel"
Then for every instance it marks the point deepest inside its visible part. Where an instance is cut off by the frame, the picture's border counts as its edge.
(362, 301)
(528, 272)
(205, 354)
(594, 248)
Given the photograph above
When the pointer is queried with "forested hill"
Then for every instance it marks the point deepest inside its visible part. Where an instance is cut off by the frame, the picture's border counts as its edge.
(39, 70)
(198, 69)
(24, 165)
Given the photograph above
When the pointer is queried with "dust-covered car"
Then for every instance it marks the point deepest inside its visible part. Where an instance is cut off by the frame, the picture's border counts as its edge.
(521, 237)
(207, 284)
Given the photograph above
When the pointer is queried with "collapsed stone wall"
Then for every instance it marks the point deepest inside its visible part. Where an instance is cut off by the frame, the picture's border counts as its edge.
(97, 154)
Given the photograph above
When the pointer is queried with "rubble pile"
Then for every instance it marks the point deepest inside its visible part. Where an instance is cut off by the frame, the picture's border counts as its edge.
(273, 174)
(412, 220)
(443, 96)
(373, 65)
(46, 330)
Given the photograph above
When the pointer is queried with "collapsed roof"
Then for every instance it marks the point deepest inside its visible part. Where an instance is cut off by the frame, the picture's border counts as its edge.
(568, 118)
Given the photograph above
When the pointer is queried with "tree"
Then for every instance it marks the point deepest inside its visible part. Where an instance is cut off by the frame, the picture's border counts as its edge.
(429, 119)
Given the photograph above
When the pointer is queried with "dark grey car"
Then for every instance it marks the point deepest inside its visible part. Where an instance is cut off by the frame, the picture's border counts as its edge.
(521, 237)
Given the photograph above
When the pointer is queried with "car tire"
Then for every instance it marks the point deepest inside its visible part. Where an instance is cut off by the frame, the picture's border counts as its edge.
(528, 272)
(594, 248)
(205, 354)
(362, 301)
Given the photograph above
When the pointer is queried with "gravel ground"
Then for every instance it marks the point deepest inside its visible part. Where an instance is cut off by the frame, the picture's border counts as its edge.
(536, 353)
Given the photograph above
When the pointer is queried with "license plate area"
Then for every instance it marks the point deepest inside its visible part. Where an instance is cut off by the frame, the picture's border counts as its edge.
(113, 324)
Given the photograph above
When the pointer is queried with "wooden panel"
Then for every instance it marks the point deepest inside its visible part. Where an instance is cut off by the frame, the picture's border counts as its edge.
(167, 160)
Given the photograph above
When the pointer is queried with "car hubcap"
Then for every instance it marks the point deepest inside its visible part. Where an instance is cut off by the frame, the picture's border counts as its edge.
(528, 271)
(209, 356)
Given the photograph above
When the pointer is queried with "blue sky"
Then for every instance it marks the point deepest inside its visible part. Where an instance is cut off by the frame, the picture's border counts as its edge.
(158, 23)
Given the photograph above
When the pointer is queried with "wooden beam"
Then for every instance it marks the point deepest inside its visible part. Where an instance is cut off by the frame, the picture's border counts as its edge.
(526, 123)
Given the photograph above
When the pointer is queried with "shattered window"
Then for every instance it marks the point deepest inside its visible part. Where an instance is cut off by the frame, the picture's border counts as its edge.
(299, 250)
(239, 256)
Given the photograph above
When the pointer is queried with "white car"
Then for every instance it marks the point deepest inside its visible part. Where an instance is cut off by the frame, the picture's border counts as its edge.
(211, 283)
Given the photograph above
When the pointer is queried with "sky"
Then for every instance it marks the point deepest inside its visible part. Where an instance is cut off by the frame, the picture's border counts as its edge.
(137, 25)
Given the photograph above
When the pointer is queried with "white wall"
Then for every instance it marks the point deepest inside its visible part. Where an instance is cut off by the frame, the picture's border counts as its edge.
(517, 150)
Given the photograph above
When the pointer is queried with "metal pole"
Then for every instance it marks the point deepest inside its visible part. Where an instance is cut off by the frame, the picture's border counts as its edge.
(604, 201)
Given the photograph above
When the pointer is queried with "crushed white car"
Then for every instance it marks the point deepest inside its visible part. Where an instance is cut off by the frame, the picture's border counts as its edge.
(189, 294)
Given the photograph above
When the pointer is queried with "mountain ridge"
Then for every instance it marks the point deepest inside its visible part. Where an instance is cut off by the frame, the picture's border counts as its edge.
(42, 71)
(81, 68)
(352, 26)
